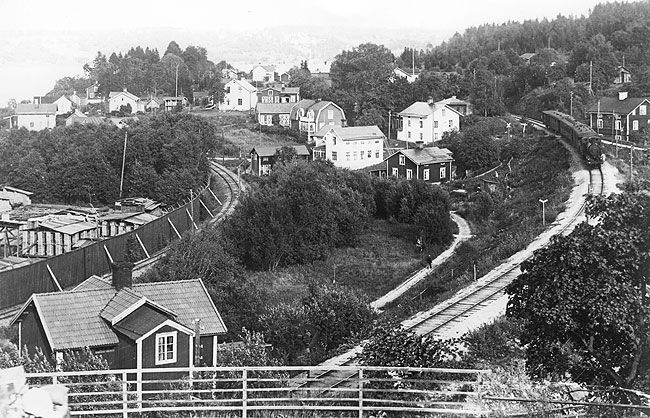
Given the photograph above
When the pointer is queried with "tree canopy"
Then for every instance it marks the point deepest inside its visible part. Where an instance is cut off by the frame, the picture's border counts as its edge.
(583, 299)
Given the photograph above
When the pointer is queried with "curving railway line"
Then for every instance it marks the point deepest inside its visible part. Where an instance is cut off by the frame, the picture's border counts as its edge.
(230, 188)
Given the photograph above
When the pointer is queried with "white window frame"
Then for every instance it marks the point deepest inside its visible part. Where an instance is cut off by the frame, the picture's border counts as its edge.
(617, 125)
(443, 172)
(421, 124)
(409, 174)
(435, 123)
(334, 155)
(451, 123)
(402, 160)
(642, 110)
(395, 172)
(425, 174)
(599, 123)
(330, 114)
(174, 352)
(635, 125)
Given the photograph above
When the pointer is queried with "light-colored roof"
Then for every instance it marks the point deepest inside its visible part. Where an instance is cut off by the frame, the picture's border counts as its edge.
(453, 100)
(115, 94)
(270, 150)
(426, 155)
(324, 130)
(284, 108)
(15, 190)
(527, 55)
(245, 85)
(423, 109)
(32, 109)
(355, 133)
(68, 226)
(74, 319)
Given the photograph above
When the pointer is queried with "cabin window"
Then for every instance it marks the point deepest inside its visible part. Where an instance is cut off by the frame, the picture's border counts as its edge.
(369, 153)
(425, 174)
(334, 156)
(435, 123)
(600, 124)
(451, 123)
(166, 347)
(409, 174)
(395, 171)
(330, 114)
(635, 125)
(642, 110)
(618, 125)
(402, 160)
(443, 172)
(377, 154)
(240, 102)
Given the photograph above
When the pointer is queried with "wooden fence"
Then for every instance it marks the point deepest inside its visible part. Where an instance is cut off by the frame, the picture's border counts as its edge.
(70, 269)
(271, 391)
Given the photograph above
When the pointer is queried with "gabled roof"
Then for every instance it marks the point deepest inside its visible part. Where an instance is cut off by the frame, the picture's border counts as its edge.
(66, 225)
(426, 155)
(115, 94)
(245, 85)
(614, 105)
(268, 68)
(82, 317)
(284, 108)
(424, 109)
(324, 130)
(453, 101)
(32, 109)
(354, 133)
(63, 96)
(288, 90)
(270, 150)
(406, 72)
(154, 99)
(527, 55)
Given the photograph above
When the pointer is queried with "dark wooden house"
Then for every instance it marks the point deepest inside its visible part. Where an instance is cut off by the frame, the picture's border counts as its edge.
(263, 157)
(431, 164)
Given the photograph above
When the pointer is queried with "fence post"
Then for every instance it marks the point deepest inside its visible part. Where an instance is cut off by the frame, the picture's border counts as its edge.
(479, 396)
(244, 395)
(360, 393)
(125, 396)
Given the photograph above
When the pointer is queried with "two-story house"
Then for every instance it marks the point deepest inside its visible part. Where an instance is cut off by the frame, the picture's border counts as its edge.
(274, 114)
(64, 105)
(239, 95)
(172, 103)
(144, 325)
(351, 147)
(263, 157)
(310, 116)
(431, 164)
(427, 122)
(278, 94)
(33, 116)
(619, 117)
(117, 99)
(263, 73)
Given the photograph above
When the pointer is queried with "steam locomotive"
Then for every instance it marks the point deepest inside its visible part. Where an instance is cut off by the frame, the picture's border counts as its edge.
(582, 137)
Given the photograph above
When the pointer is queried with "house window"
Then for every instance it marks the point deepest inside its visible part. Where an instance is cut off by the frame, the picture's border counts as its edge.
(618, 125)
(334, 156)
(240, 102)
(270, 92)
(600, 124)
(166, 348)
(409, 174)
(361, 154)
(354, 155)
(402, 160)
(425, 174)
(435, 137)
(435, 123)
(330, 114)
(635, 125)
(369, 153)
(443, 172)
(409, 134)
(377, 153)
(395, 171)
(421, 124)
(31, 124)
(347, 156)
(451, 123)
(420, 136)
(642, 110)
(443, 112)
(409, 123)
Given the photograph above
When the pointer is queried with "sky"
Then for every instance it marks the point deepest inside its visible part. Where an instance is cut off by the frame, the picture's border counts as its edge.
(44, 40)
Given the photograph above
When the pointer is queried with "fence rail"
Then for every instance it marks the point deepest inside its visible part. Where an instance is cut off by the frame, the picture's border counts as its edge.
(270, 391)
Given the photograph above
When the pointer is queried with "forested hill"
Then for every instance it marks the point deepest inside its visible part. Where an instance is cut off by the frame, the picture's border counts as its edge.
(626, 26)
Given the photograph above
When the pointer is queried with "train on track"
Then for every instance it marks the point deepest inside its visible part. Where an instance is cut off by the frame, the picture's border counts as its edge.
(582, 137)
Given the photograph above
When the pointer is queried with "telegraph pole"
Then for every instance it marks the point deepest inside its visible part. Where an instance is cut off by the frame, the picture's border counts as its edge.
(123, 162)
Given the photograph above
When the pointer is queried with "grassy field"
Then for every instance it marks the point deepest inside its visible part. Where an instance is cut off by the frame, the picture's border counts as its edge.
(385, 257)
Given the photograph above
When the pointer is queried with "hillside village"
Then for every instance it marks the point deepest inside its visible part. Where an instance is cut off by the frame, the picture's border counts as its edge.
(172, 212)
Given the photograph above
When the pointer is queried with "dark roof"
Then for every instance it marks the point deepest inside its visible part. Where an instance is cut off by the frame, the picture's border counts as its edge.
(614, 105)
(426, 155)
(274, 107)
(82, 317)
(270, 150)
(302, 104)
(141, 321)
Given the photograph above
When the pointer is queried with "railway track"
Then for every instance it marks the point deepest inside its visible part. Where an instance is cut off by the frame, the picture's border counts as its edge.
(231, 190)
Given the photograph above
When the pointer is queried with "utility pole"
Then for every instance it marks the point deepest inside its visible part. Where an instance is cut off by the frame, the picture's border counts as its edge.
(177, 79)
(543, 202)
(631, 149)
(571, 106)
(390, 113)
(192, 209)
(123, 163)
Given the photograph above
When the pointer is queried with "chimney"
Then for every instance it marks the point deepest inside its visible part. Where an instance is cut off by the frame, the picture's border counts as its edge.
(430, 101)
(124, 89)
(622, 95)
(122, 274)
(37, 101)
(419, 144)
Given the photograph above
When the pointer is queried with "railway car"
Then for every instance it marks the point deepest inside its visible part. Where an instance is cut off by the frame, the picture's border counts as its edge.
(580, 136)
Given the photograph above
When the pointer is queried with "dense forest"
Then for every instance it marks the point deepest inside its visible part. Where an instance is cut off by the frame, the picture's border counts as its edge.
(166, 155)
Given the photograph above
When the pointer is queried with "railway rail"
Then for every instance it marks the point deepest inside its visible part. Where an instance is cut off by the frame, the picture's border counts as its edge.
(231, 187)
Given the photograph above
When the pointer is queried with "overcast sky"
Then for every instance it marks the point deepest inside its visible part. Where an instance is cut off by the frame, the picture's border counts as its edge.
(24, 55)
